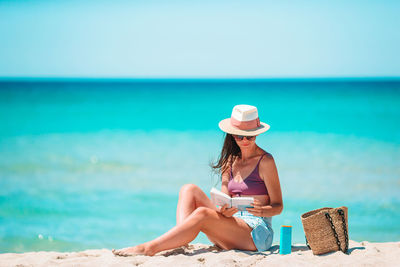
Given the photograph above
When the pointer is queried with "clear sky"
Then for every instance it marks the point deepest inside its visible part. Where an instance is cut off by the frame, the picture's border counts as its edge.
(200, 39)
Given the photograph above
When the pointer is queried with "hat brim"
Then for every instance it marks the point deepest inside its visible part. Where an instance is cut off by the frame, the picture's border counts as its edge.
(226, 126)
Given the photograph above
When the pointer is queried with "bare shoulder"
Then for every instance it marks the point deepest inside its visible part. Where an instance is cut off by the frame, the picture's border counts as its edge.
(267, 166)
(267, 159)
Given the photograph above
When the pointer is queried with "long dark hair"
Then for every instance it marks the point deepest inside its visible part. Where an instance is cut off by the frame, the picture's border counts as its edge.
(230, 151)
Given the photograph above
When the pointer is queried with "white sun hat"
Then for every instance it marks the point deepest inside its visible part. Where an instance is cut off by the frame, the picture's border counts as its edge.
(243, 121)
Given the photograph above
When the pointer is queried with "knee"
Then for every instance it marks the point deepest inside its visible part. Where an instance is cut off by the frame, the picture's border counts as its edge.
(202, 214)
(188, 188)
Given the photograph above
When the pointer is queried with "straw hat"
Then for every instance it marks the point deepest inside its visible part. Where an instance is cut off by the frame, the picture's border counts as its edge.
(243, 121)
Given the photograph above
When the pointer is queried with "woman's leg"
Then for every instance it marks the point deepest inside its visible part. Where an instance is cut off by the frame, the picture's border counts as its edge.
(191, 197)
(229, 232)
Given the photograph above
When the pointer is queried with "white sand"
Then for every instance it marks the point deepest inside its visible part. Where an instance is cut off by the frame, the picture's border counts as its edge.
(360, 254)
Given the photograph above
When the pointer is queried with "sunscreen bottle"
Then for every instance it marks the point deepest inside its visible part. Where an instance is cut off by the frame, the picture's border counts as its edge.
(285, 246)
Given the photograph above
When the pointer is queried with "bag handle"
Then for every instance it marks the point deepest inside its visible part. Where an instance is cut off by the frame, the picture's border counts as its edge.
(346, 237)
(308, 245)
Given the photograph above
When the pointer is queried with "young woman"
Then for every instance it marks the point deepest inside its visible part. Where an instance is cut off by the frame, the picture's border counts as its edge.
(246, 170)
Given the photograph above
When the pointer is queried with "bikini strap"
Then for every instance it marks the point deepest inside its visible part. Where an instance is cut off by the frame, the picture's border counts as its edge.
(261, 158)
(258, 163)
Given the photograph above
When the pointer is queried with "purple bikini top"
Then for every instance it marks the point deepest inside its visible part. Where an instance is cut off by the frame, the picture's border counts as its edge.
(252, 185)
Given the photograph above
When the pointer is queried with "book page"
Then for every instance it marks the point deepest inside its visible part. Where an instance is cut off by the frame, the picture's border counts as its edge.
(219, 198)
(241, 203)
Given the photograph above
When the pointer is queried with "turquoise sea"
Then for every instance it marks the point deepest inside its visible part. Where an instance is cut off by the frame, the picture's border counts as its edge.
(99, 163)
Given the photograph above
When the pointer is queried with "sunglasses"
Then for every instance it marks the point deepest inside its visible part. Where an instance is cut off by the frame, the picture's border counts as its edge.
(240, 137)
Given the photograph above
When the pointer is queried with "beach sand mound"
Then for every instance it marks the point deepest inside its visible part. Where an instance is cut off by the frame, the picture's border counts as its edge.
(360, 254)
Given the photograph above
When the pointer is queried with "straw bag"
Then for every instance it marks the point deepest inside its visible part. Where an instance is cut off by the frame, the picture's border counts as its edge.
(326, 230)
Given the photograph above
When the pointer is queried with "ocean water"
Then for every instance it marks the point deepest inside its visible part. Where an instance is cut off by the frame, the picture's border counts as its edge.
(99, 164)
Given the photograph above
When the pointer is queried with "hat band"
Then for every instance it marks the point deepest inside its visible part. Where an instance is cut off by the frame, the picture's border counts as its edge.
(246, 125)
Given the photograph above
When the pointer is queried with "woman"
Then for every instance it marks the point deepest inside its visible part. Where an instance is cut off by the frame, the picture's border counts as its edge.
(246, 170)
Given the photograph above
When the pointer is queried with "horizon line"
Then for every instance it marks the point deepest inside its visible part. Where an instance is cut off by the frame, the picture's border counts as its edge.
(194, 79)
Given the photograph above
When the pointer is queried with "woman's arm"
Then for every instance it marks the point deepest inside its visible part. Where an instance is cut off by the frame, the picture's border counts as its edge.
(269, 174)
(225, 179)
(224, 185)
(227, 212)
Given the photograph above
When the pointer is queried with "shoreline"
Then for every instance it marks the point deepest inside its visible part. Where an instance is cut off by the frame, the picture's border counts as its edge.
(360, 254)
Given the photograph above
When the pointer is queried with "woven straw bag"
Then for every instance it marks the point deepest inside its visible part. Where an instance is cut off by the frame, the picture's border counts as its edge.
(326, 230)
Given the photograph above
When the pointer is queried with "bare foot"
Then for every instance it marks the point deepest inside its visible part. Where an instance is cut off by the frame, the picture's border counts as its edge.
(131, 251)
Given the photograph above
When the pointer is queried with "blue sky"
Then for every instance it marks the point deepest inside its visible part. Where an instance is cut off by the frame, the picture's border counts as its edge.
(199, 39)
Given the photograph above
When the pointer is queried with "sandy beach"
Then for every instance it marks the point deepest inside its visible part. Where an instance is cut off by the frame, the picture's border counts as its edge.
(360, 254)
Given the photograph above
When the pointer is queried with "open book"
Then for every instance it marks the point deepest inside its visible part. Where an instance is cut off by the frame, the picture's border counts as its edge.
(241, 203)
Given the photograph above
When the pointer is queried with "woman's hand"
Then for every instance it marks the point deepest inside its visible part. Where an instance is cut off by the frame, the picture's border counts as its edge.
(258, 209)
(267, 200)
(228, 212)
